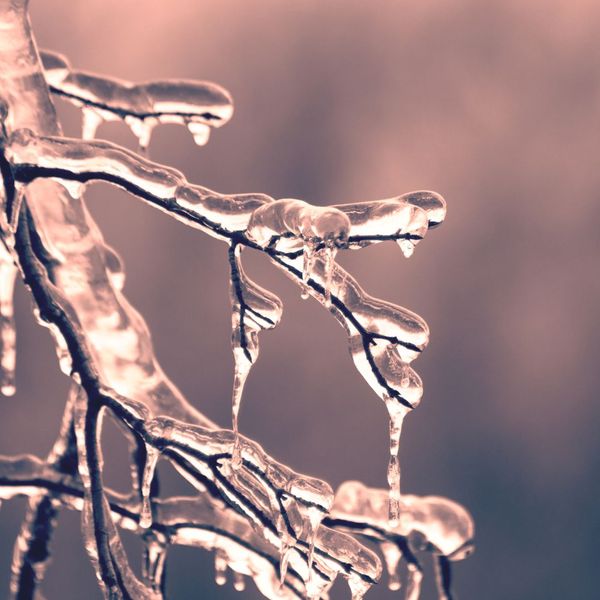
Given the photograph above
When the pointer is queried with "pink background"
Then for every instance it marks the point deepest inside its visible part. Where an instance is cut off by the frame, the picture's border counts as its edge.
(493, 104)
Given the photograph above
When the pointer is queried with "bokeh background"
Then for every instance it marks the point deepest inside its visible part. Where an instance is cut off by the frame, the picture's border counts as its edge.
(495, 105)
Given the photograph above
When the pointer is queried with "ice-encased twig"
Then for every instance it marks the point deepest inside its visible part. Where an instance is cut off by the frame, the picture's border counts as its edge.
(202, 521)
(32, 548)
(196, 451)
(430, 524)
(252, 310)
(101, 538)
(198, 105)
(103, 342)
(383, 338)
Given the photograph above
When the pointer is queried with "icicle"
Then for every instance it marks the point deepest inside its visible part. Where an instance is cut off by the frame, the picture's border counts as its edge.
(152, 456)
(200, 132)
(155, 554)
(242, 370)
(142, 129)
(287, 545)
(239, 583)
(407, 248)
(396, 413)
(329, 251)
(56, 66)
(358, 586)
(220, 567)
(391, 556)
(91, 120)
(8, 335)
(313, 521)
(413, 584)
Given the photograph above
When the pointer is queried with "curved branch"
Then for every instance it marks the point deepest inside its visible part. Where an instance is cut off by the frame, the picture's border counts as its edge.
(198, 105)
(383, 338)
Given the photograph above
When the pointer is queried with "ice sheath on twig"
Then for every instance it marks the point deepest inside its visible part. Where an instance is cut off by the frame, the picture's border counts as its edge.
(262, 519)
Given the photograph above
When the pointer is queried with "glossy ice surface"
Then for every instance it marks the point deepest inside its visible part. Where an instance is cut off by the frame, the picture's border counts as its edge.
(262, 519)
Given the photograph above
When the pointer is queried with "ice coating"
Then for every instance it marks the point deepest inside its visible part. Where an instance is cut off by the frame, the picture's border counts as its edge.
(317, 229)
(155, 555)
(363, 316)
(239, 582)
(252, 310)
(194, 104)
(386, 219)
(383, 338)
(220, 567)
(299, 220)
(446, 525)
(206, 523)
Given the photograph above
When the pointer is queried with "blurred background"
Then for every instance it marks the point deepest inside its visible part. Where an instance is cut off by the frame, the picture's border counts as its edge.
(493, 104)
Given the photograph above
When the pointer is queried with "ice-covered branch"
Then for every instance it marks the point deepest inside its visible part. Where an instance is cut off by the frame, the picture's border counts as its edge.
(199, 105)
(427, 524)
(261, 518)
(281, 229)
(299, 238)
(206, 522)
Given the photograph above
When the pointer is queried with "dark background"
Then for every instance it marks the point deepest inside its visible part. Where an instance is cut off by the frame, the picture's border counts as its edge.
(493, 104)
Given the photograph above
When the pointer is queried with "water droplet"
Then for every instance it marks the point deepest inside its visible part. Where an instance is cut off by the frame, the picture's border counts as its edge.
(220, 567)
(142, 129)
(200, 132)
(239, 583)
(391, 556)
(358, 586)
(407, 247)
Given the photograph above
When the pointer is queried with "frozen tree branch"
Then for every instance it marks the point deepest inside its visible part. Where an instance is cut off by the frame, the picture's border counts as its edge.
(262, 519)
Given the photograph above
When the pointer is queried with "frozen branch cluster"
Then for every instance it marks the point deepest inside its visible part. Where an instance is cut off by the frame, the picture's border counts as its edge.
(288, 532)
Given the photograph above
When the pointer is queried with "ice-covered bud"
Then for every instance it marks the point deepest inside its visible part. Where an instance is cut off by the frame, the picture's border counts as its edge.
(296, 218)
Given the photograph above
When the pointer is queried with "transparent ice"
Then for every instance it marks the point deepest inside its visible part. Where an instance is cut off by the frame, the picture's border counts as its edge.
(285, 531)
